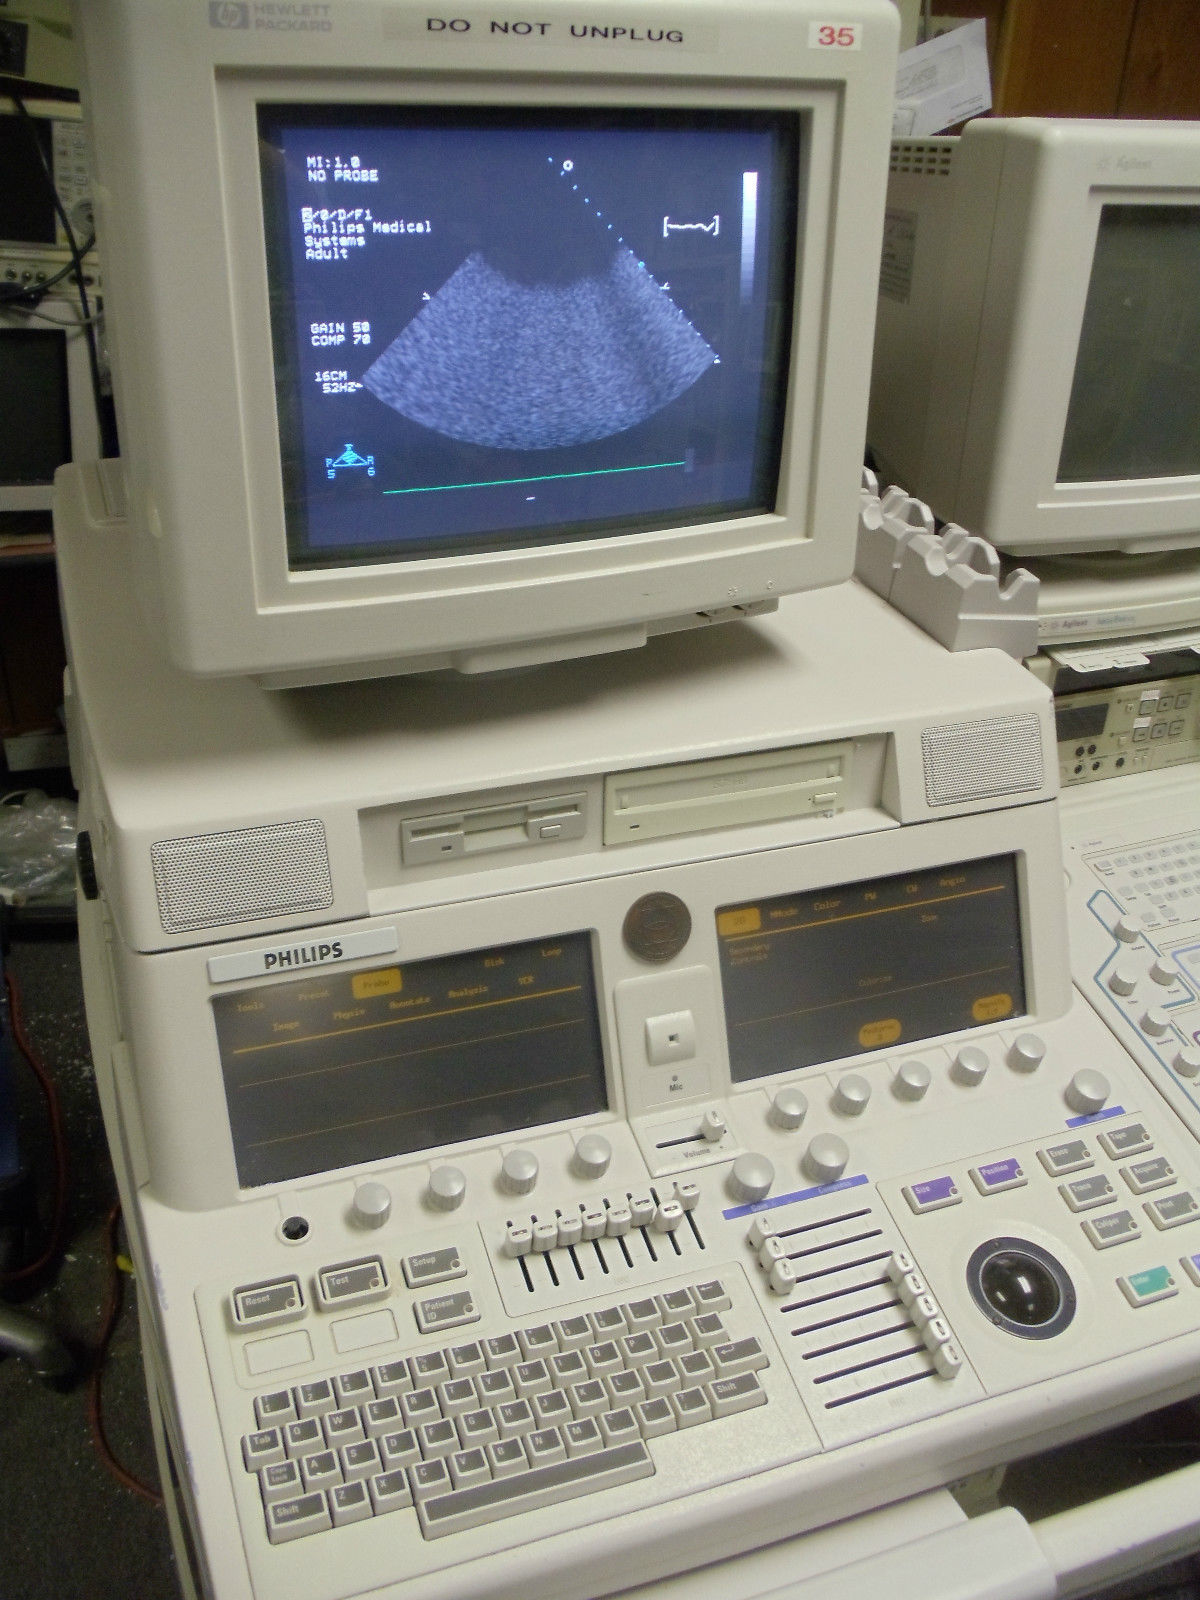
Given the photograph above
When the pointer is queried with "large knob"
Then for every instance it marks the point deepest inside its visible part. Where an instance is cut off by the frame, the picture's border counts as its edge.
(912, 1080)
(826, 1157)
(1087, 1091)
(1162, 970)
(1187, 1062)
(1123, 979)
(447, 1188)
(788, 1109)
(970, 1066)
(592, 1156)
(851, 1094)
(750, 1178)
(1155, 1023)
(1127, 929)
(1027, 1052)
(372, 1205)
(518, 1172)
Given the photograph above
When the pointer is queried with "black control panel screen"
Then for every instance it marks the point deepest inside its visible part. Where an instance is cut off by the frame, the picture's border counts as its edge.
(334, 1068)
(504, 327)
(862, 967)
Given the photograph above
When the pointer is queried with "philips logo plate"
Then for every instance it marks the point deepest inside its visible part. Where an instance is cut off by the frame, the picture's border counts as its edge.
(322, 950)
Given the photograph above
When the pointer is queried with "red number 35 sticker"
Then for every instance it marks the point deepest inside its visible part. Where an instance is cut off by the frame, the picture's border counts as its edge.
(835, 36)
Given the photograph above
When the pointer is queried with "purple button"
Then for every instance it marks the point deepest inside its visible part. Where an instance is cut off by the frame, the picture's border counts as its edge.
(1000, 1174)
(932, 1193)
(933, 1190)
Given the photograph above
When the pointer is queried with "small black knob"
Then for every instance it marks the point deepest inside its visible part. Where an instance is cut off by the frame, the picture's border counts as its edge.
(85, 866)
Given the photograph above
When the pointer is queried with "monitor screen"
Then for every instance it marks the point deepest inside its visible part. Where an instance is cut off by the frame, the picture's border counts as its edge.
(1134, 410)
(495, 328)
(814, 977)
(35, 419)
(334, 1068)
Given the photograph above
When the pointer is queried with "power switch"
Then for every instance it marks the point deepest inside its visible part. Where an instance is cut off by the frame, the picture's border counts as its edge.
(670, 1038)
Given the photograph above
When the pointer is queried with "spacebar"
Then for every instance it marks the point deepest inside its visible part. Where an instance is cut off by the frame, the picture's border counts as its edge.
(524, 1491)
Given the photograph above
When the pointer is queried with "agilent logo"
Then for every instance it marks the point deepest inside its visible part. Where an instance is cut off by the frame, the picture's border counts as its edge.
(228, 14)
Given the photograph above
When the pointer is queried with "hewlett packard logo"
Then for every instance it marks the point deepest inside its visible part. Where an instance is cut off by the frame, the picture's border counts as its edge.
(228, 14)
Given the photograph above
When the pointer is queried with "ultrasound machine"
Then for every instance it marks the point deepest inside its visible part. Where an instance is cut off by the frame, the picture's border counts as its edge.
(579, 987)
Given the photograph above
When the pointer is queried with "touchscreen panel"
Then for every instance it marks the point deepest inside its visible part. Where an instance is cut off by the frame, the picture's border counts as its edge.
(330, 1069)
(813, 977)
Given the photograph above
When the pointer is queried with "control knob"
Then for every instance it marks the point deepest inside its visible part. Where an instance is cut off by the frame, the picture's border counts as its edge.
(1162, 971)
(788, 1109)
(1087, 1091)
(826, 1157)
(592, 1156)
(447, 1188)
(1027, 1052)
(750, 1178)
(970, 1066)
(1187, 1062)
(1123, 979)
(1127, 929)
(912, 1080)
(1155, 1023)
(372, 1205)
(851, 1095)
(518, 1172)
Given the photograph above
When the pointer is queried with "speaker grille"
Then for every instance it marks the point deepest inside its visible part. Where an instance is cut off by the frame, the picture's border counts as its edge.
(977, 760)
(210, 879)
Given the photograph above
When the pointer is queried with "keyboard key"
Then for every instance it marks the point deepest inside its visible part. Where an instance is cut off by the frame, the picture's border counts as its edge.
(655, 1416)
(399, 1449)
(437, 1438)
(292, 1519)
(349, 1502)
(468, 1467)
(477, 1428)
(314, 1399)
(263, 1449)
(354, 1388)
(540, 1486)
(544, 1446)
(280, 1482)
(276, 1410)
(741, 1393)
(382, 1416)
(360, 1461)
(389, 1491)
(342, 1427)
(428, 1477)
(691, 1406)
(392, 1378)
(320, 1471)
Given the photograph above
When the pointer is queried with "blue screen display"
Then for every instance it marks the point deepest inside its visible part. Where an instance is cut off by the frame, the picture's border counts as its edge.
(496, 329)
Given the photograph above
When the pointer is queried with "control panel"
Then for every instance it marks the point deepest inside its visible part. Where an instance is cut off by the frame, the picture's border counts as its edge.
(1124, 728)
(766, 1284)
(1134, 896)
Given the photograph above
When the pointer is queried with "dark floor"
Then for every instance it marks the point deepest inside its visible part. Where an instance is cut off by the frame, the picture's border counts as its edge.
(70, 1530)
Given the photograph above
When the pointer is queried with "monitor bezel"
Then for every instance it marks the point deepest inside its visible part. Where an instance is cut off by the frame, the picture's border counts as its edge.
(62, 316)
(277, 586)
(1055, 180)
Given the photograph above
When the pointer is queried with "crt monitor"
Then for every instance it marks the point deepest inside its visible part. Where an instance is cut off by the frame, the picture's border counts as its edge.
(1037, 361)
(473, 341)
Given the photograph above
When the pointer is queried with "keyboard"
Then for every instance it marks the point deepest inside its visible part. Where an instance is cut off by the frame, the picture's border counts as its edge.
(469, 1433)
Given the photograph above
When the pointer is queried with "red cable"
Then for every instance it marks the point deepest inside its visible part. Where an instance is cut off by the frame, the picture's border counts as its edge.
(53, 1246)
(95, 1412)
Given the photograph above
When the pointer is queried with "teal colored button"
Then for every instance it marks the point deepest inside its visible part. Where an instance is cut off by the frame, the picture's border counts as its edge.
(1140, 1288)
